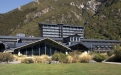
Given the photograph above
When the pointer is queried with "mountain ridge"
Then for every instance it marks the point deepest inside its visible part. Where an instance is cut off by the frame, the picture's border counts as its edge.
(88, 13)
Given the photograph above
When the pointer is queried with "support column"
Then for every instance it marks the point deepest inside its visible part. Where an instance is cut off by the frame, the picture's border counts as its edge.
(39, 49)
(26, 51)
(32, 50)
(50, 52)
(76, 38)
(45, 48)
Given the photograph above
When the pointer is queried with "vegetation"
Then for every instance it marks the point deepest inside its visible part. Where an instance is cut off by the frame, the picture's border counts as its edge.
(85, 58)
(60, 69)
(115, 55)
(6, 57)
(103, 24)
(34, 59)
(99, 57)
(117, 52)
(28, 60)
(75, 56)
(62, 58)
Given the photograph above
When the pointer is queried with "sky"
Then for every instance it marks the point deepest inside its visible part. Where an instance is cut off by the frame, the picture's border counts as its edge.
(8, 5)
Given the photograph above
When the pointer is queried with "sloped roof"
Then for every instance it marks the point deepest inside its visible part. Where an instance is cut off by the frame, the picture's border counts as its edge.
(0, 42)
(100, 40)
(24, 45)
(20, 44)
(90, 45)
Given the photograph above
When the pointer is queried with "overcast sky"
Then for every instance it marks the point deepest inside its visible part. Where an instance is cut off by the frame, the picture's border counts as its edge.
(8, 5)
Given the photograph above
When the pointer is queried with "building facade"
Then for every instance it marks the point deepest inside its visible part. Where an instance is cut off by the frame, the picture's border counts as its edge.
(62, 38)
(60, 30)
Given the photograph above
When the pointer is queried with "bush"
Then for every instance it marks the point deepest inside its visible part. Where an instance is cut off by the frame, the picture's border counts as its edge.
(70, 59)
(44, 58)
(6, 57)
(85, 58)
(112, 59)
(99, 57)
(75, 55)
(27, 60)
(110, 53)
(117, 53)
(62, 58)
(37, 59)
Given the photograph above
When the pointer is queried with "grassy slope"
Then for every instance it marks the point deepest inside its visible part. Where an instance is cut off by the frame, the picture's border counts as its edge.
(106, 23)
(60, 7)
(60, 69)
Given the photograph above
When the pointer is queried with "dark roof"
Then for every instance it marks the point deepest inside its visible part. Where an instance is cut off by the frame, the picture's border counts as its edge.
(73, 43)
(100, 40)
(22, 45)
(92, 45)
(60, 24)
(73, 35)
(33, 38)
(0, 42)
(9, 37)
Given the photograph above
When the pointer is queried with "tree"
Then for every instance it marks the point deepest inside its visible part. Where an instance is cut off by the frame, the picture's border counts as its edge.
(117, 52)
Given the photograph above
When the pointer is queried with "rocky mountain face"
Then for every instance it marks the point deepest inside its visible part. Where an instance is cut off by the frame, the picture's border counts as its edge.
(89, 13)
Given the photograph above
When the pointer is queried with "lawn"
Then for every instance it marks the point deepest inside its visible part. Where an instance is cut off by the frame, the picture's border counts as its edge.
(60, 69)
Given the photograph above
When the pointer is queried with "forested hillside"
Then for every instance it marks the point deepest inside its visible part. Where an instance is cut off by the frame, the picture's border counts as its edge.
(101, 18)
(106, 23)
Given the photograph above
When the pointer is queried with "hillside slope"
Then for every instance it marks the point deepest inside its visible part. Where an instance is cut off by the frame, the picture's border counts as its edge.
(106, 24)
(101, 18)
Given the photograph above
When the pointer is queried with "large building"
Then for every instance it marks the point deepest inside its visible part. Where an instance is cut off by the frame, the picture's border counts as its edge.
(60, 30)
(49, 44)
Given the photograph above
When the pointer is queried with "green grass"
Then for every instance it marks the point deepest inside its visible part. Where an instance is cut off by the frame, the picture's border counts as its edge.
(60, 69)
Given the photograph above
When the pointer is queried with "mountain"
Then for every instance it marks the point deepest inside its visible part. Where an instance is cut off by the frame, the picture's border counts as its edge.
(106, 23)
(101, 18)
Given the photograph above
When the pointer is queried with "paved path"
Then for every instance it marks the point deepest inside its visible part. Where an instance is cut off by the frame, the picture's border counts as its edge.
(15, 62)
(112, 63)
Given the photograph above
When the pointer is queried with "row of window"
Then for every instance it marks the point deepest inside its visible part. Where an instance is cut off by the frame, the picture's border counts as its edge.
(73, 28)
(79, 31)
(64, 27)
(49, 30)
(51, 35)
(74, 38)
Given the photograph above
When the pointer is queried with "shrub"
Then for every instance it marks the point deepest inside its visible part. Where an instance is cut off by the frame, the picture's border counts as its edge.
(44, 58)
(27, 60)
(85, 58)
(112, 59)
(117, 53)
(70, 59)
(41, 59)
(59, 57)
(6, 57)
(1, 57)
(37, 59)
(75, 54)
(99, 57)
(110, 53)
